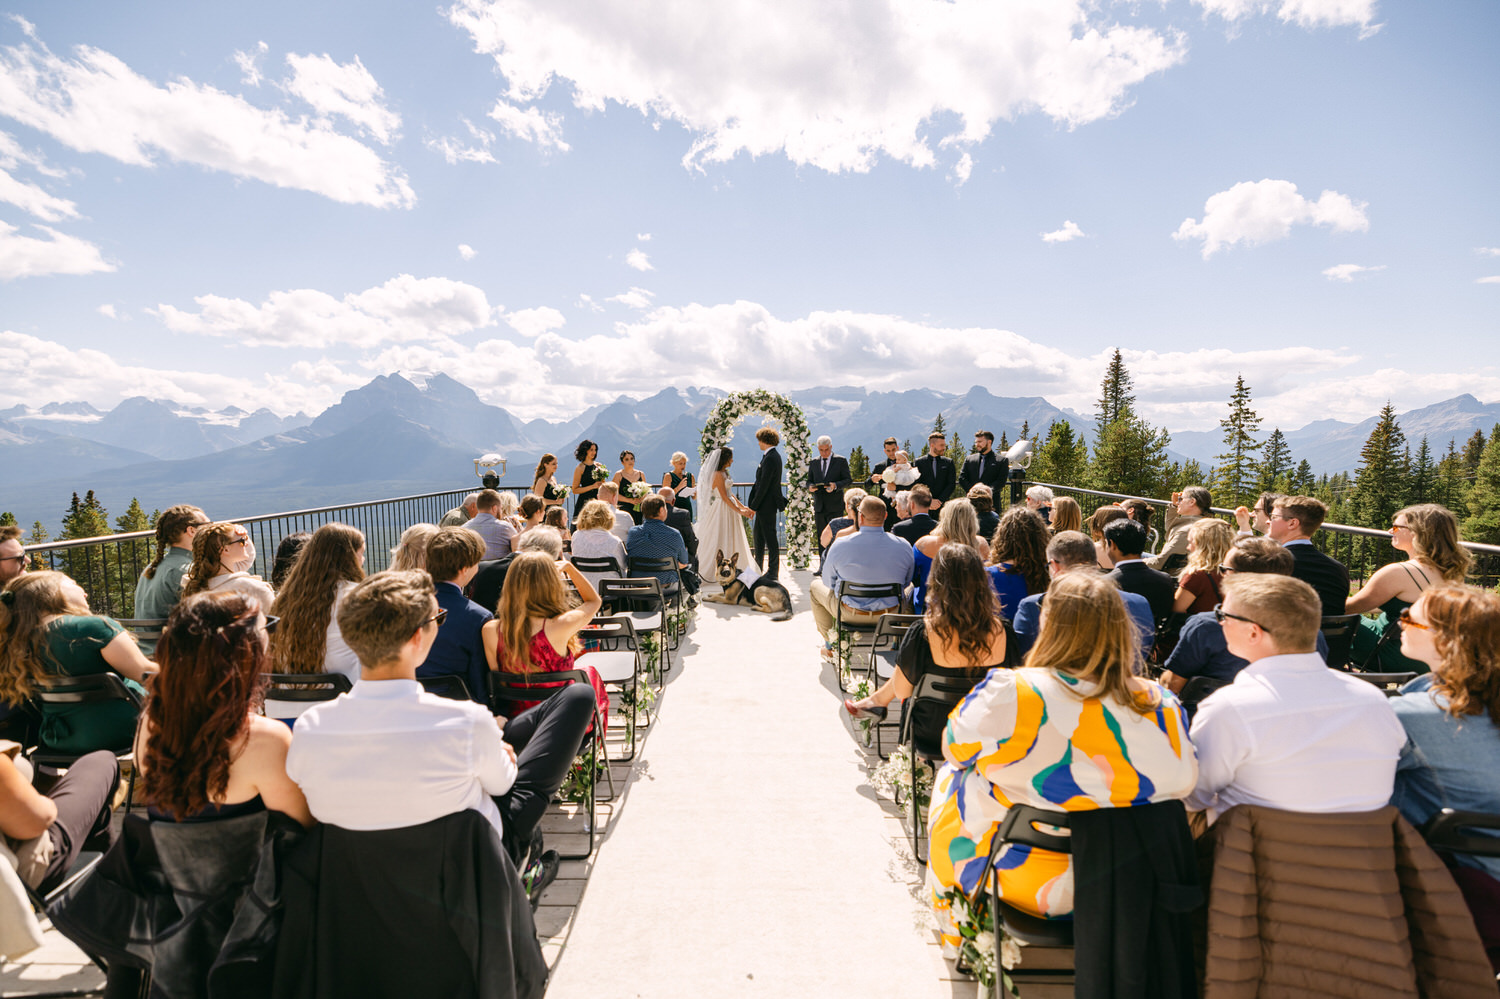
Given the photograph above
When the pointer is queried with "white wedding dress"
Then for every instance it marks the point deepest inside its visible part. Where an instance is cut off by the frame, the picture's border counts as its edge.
(720, 529)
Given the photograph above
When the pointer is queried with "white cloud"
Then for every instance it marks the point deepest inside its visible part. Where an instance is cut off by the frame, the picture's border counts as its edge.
(25, 195)
(831, 85)
(108, 311)
(95, 103)
(1303, 13)
(1265, 210)
(59, 253)
(1347, 272)
(963, 169)
(467, 252)
(587, 302)
(638, 260)
(1487, 251)
(636, 298)
(532, 323)
(1066, 234)
(532, 125)
(454, 150)
(1492, 279)
(348, 90)
(403, 309)
(249, 64)
(643, 237)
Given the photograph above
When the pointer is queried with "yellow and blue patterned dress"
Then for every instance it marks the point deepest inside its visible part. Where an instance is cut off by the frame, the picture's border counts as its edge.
(1034, 737)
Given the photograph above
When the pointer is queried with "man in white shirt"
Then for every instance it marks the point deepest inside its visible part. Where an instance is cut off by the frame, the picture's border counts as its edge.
(388, 754)
(610, 493)
(1289, 732)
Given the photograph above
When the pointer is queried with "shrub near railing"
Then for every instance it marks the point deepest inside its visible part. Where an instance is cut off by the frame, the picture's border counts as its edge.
(1361, 549)
(108, 567)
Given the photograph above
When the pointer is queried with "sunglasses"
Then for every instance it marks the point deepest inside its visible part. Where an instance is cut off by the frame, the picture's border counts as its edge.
(439, 617)
(1406, 620)
(23, 557)
(1220, 614)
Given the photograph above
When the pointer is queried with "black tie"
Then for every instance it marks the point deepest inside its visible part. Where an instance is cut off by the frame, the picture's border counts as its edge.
(825, 468)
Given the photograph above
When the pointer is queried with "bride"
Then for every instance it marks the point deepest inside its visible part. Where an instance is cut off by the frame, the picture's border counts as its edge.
(721, 517)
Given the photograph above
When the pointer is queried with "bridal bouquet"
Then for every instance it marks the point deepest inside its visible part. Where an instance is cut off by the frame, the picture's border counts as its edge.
(600, 474)
(561, 492)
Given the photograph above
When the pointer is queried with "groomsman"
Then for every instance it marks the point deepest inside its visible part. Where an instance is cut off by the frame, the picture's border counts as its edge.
(984, 465)
(827, 478)
(767, 500)
(935, 471)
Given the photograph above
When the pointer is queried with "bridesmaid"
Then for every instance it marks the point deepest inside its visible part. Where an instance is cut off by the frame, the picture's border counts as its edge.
(678, 479)
(629, 473)
(585, 483)
(544, 483)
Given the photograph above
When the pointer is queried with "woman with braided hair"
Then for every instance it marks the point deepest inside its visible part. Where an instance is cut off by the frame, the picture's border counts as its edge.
(160, 585)
(222, 554)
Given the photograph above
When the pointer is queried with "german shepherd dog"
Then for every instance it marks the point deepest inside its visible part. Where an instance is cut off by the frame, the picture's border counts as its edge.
(765, 595)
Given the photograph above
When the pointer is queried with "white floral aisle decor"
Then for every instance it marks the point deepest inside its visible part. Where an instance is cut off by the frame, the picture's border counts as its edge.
(717, 432)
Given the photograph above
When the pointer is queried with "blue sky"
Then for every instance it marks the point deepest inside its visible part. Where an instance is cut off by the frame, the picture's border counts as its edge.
(559, 203)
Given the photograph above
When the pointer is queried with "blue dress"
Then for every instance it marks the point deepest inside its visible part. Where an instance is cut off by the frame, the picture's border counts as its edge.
(921, 567)
(1010, 587)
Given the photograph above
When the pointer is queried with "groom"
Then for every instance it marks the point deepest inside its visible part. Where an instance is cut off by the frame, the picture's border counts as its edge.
(766, 500)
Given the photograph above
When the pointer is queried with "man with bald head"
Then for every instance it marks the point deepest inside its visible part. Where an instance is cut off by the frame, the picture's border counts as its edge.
(869, 555)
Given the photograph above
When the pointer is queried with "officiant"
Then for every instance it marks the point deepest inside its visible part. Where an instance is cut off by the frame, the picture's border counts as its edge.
(827, 478)
(766, 501)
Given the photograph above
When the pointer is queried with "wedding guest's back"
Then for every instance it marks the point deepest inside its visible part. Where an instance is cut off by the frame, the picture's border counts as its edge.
(287, 552)
(1125, 541)
(1097, 522)
(308, 639)
(983, 498)
(1018, 557)
(452, 559)
(491, 524)
(160, 585)
(1294, 521)
(411, 550)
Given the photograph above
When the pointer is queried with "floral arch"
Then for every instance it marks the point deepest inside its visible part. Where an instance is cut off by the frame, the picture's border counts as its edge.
(717, 432)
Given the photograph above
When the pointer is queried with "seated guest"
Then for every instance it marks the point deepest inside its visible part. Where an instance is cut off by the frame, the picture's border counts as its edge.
(452, 558)
(1125, 539)
(46, 832)
(1018, 558)
(510, 510)
(868, 556)
(46, 630)
(1070, 551)
(307, 638)
(1097, 522)
(1294, 520)
(920, 522)
(14, 560)
(1039, 498)
(1256, 519)
(1428, 534)
(960, 636)
(531, 511)
(499, 533)
(957, 524)
(556, 518)
(609, 494)
(411, 551)
(1452, 720)
(595, 540)
(654, 539)
(160, 585)
(843, 526)
(287, 552)
(222, 554)
(1139, 511)
(901, 503)
(1188, 507)
(1289, 732)
(535, 631)
(983, 498)
(1198, 586)
(489, 582)
(389, 755)
(681, 521)
(1074, 729)
(1202, 647)
(1067, 515)
(463, 513)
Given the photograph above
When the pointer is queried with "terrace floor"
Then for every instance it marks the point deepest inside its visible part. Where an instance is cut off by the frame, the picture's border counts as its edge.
(747, 854)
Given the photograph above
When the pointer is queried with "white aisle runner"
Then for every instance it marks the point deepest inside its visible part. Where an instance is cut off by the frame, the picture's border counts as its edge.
(751, 858)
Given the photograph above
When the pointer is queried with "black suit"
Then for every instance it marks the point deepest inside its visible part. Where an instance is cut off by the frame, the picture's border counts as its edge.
(767, 499)
(937, 474)
(1156, 586)
(914, 529)
(828, 505)
(683, 521)
(989, 468)
(877, 489)
(1323, 573)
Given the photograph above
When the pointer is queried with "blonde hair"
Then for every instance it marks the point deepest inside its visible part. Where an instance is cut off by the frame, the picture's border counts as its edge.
(853, 496)
(411, 551)
(507, 506)
(28, 598)
(958, 523)
(1087, 634)
(1465, 624)
(1287, 609)
(596, 516)
(1067, 515)
(1212, 538)
(1435, 532)
(533, 588)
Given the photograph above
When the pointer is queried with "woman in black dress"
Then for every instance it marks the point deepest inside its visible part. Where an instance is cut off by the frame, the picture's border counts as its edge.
(679, 478)
(586, 477)
(544, 483)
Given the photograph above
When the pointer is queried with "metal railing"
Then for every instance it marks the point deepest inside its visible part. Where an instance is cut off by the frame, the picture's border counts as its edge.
(1361, 549)
(108, 567)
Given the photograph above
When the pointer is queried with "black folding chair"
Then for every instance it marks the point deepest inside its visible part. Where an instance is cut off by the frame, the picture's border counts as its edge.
(94, 688)
(641, 567)
(864, 624)
(617, 660)
(509, 688)
(1474, 833)
(1020, 826)
(628, 597)
(944, 692)
(306, 688)
(888, 636)
(145, 629)
(599, 565)
(1388, 683)
(449, 685)
(81, 868)
(1338, 631)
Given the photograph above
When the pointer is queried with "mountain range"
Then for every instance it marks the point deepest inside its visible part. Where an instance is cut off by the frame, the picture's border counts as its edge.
(400, 435)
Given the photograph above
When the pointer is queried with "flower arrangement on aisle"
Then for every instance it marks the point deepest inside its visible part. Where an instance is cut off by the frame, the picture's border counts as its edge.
(976, 928)
(718, 430)
(893, 777)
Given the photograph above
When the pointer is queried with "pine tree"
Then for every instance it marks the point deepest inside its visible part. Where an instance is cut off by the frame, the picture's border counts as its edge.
(86, 518)
(939, 426)
(133, 555)
(956, 449)
(1025, 431)
(1422, 484)
(1190, 473)
(1004, 444)
(1302, 479)
(1062, 458)
(1130, 456)
(1483, 523)
(1473, 450)
(1451, 487)
(1238, 470)
(1275, 462)
(906, 446)
(8, 519)
(1116, 401)
(38, 534)
(859, 465)
(1380, 483)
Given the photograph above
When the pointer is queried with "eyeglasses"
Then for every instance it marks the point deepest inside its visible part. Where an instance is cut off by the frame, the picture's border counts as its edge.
(1400, 527)
(439, 617)
(1220, 614)
(1407, 622)
(23, 557)
(1226, 568)
(241, 540)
